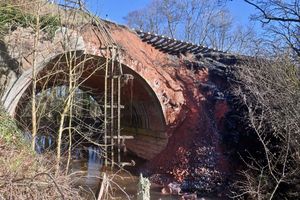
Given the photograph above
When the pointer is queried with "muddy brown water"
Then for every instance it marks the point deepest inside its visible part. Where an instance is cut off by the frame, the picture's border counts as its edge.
(123, 183)
(87, 166)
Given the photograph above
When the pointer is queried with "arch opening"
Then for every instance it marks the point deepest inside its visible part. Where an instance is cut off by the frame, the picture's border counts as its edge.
(141, 116)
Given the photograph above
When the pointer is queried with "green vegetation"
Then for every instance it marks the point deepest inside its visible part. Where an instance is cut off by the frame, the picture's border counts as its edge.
(16, 158)
(9, 132)
(50, 24)
(11, 138)
(12, 17)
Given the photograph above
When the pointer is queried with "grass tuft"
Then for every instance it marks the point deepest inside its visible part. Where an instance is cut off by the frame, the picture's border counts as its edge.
(12, 17)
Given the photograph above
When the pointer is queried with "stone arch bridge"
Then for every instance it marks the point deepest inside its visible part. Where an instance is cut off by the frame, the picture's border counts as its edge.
(178, 90)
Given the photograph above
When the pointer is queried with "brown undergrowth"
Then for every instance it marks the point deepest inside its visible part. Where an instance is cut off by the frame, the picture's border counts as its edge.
(26, 175)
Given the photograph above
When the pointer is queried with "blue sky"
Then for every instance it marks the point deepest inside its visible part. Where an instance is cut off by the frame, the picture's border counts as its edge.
(115, 10)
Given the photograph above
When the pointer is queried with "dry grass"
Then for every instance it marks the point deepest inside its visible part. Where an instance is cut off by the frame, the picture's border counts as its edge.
(26, 175)
(69, 17)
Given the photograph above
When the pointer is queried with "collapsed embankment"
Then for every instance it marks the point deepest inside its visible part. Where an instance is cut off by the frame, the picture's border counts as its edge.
(196, 156)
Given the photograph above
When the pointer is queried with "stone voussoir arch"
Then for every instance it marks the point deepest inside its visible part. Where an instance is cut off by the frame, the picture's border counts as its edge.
(150, 132)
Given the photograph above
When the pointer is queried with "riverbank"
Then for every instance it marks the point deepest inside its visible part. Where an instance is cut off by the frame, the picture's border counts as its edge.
(25, 174)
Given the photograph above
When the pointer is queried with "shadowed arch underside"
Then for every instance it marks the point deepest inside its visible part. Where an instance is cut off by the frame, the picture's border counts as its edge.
(142, 115)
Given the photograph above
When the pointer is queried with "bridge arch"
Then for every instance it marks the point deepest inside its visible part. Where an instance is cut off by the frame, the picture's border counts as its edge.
(142, 117)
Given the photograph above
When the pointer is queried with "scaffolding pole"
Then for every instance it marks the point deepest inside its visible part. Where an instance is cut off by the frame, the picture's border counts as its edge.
(119, 116)
(105, 109)
(112, 96)
(112, 118)
(112, 108)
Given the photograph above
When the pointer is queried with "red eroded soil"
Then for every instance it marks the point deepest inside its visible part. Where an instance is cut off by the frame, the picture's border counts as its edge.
(194, 150)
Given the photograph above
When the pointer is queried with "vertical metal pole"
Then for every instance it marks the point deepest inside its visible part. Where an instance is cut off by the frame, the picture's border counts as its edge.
(119, 119)
(105, 109)
(112, 108)
(119, 108)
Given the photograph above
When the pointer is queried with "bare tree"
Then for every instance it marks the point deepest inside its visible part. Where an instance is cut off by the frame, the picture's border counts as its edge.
(199, 21)
(281, 19)
(34, 82)
(147, 19)
(269, 90)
